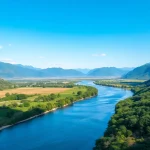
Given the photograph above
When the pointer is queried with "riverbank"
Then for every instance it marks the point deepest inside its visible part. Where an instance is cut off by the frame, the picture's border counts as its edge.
(44, 113)
(133, 85)
(80, 124)
(18, 110)
(125, 87)
(129, 127)
(4, 127)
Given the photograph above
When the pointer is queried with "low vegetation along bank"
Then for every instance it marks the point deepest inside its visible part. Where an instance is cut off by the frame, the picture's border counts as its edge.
(15, 108)
(129, 127)
(122, 83)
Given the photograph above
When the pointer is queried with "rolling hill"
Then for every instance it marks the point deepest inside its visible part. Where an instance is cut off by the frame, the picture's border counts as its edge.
(142, 72)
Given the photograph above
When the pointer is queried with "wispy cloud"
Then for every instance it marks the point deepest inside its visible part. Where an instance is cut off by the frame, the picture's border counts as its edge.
(99, 55)
(8, 60)
(1, 46)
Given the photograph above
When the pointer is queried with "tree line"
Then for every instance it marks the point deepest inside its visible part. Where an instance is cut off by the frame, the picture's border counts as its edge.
(129, 127)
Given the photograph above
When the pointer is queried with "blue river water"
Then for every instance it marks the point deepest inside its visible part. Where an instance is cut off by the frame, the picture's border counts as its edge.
(72, 128)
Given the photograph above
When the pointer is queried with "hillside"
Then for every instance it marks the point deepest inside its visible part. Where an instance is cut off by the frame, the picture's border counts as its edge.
(18, 71)
(129, 127)
(5, 85)
(107, 72)
(142, 72)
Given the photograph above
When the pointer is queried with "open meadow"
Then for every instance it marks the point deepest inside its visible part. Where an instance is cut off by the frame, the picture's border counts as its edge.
(31, 91)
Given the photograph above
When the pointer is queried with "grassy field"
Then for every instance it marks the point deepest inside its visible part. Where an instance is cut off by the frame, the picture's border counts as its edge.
(31, 91)
(39, 91)
(15, 110)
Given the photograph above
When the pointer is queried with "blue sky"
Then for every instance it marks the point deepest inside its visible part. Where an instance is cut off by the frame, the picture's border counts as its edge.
(75, 33)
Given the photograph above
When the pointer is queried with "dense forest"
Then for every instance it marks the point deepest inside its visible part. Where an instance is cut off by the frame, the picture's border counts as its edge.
(129, 127)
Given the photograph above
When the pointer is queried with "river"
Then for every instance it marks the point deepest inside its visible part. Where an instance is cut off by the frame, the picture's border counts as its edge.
(72, 128)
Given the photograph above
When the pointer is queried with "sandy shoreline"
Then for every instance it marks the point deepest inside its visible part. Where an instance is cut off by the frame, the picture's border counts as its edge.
(54, 109)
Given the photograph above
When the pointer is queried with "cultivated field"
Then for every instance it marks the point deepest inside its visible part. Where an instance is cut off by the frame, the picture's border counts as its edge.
(31, 91)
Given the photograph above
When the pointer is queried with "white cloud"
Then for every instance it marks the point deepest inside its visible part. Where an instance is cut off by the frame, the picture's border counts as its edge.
(99, 55)
(7, 60)
(1, 46)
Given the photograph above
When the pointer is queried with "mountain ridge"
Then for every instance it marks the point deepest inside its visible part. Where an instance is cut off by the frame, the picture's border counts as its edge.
(107, 72)
(18, 71)
(141, 72)
(8, 70)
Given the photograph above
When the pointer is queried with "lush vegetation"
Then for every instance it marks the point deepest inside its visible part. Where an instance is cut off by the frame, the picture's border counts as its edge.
(23, 106)
(5, 85)
(142, 72)
(129, 127)
(120, 83)
(45, 83)
(15, 96)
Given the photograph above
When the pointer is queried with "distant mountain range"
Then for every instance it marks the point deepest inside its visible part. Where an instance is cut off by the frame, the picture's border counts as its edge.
(108, 72)
(142, 72)
(20, 71)
(85, 71)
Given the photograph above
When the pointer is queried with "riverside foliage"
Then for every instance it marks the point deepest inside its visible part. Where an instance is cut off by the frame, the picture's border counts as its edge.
(129, 127)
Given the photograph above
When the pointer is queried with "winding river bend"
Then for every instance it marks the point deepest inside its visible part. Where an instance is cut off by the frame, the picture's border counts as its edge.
(72, 128)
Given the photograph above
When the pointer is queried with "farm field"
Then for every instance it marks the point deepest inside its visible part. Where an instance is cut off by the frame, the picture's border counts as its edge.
(23, 103)
(31, 91)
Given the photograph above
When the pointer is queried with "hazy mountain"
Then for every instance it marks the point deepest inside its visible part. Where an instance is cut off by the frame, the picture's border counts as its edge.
(107, 72)
(18, 71)
(85, 71)
(29, 67)
(59, 72)
(11, 71)
(127, 68)
(142, 72)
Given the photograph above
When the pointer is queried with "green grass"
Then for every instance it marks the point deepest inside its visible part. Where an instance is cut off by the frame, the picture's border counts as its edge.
(13, 111)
